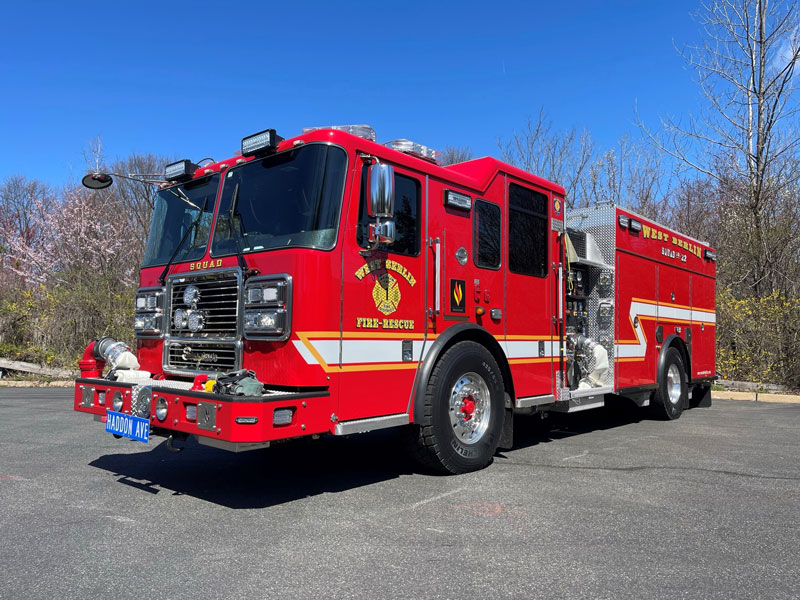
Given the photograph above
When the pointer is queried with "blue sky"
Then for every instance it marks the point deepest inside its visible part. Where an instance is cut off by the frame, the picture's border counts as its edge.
(191, 80)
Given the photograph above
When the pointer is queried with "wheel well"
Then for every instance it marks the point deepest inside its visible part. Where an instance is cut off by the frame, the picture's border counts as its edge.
(673, 341)
(458, 334)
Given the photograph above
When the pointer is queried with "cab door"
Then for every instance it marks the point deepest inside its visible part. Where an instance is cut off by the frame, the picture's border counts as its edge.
(530, 306)
(382, 303)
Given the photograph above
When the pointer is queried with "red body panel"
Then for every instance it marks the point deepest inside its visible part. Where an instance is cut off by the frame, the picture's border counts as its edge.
(666, 280)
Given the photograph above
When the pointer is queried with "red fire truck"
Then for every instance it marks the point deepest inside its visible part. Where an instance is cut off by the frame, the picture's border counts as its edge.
(361, 286)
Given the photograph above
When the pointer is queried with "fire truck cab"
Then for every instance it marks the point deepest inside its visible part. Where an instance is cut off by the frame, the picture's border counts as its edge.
(365, 286)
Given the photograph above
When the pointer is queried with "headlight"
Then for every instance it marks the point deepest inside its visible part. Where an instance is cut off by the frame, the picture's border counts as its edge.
(116, 401)
(268, 307)
(265, 321)
(161, 408)
(266, 292)
(180, 319)
(148, 319)
(195, 321)
(191, 295)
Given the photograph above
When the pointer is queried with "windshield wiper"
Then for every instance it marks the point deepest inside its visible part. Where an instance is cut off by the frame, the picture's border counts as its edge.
(195, 224)
(232, 211)
(179, 193)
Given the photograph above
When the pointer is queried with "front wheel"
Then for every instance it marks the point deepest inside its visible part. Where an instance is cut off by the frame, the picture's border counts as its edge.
(463, 413)
(671, 393)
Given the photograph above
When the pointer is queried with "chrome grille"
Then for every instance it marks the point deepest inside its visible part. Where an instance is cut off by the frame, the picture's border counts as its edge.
(218, 301)
(202, 356)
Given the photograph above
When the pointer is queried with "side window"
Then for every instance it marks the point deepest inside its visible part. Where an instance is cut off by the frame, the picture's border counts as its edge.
(527, 231)
(406, 216)
(486, 235)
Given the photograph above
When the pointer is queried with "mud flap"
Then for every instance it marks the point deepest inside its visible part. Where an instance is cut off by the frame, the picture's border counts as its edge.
(701, 396)
(507, 436)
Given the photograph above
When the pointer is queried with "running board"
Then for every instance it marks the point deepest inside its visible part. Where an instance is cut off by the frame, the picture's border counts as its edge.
(535, 401)
(578, 400)
(364, 425)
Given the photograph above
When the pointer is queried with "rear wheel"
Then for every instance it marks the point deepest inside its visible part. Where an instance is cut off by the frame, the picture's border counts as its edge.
(463, 413)
(671, 394)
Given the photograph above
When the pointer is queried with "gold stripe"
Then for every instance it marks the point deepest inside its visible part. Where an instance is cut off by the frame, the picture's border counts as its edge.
(529, 361)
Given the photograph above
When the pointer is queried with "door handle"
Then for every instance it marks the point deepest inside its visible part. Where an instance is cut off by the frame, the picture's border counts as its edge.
(437, 266)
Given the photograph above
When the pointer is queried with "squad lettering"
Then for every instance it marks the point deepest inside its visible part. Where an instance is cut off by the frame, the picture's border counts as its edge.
(205, 264)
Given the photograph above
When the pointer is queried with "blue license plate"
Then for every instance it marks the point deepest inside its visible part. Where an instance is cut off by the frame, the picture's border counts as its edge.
(128, 426)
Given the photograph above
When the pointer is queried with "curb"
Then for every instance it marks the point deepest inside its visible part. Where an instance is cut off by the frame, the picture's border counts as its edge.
(755, 397)
(36, 384)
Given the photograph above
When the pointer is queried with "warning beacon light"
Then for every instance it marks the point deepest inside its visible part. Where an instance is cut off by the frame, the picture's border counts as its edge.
(261, 143)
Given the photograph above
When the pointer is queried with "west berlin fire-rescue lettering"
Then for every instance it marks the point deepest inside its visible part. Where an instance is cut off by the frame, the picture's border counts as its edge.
(385, 293)
(651, 233)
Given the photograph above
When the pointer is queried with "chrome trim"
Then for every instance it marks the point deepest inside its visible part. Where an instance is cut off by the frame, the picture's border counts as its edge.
(364, 425)
(437, 244)
(236, 272)
(534, 401)
(235, 340)
(237, 345)
(230, 446)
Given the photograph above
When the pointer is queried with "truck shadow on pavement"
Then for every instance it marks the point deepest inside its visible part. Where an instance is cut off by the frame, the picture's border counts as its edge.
(305, 468)
(262, 478)
(532, 430)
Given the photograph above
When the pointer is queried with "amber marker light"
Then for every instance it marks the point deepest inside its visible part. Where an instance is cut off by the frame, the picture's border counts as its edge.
(480, 311)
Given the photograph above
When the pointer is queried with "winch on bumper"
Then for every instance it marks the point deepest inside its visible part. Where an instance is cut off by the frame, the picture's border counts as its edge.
(230, 422)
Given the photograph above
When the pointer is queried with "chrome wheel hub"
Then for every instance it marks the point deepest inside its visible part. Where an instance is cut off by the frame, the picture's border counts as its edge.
(674, 384)
(469, 408)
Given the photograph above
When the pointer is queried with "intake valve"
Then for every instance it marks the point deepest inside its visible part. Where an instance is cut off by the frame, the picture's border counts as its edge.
(598, 375)
(116, 354)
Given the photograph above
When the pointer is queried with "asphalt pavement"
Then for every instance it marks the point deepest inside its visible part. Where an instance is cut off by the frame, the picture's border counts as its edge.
(600, 504)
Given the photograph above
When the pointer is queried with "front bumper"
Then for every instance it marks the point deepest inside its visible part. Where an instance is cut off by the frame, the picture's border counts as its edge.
(225, 419)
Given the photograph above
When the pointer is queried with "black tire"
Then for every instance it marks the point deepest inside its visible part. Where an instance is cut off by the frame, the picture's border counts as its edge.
(443, 440)
(670, 396)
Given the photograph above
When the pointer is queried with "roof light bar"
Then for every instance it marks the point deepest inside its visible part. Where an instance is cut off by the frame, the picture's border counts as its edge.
(362, 131)
(261, 143)
(180, 171)
(409, 147)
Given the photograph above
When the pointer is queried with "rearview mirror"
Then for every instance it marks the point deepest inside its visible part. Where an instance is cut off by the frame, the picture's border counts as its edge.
(381, 192)
(97, 181)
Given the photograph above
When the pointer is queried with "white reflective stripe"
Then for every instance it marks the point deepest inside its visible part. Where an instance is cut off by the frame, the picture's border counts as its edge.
(377, 351)
(327, 349)
(305, 353)
(645, 309)
(704, 316)
(529, 349)
(367, 351)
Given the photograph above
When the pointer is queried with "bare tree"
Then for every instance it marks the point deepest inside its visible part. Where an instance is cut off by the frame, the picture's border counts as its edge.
(134, 198)
(564, 158)
(745, 138)
(21, 201)
(130, 201)
(455, 154)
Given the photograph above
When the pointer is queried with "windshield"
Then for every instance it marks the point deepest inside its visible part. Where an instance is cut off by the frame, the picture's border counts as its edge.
(290, 199)
(173, 215)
